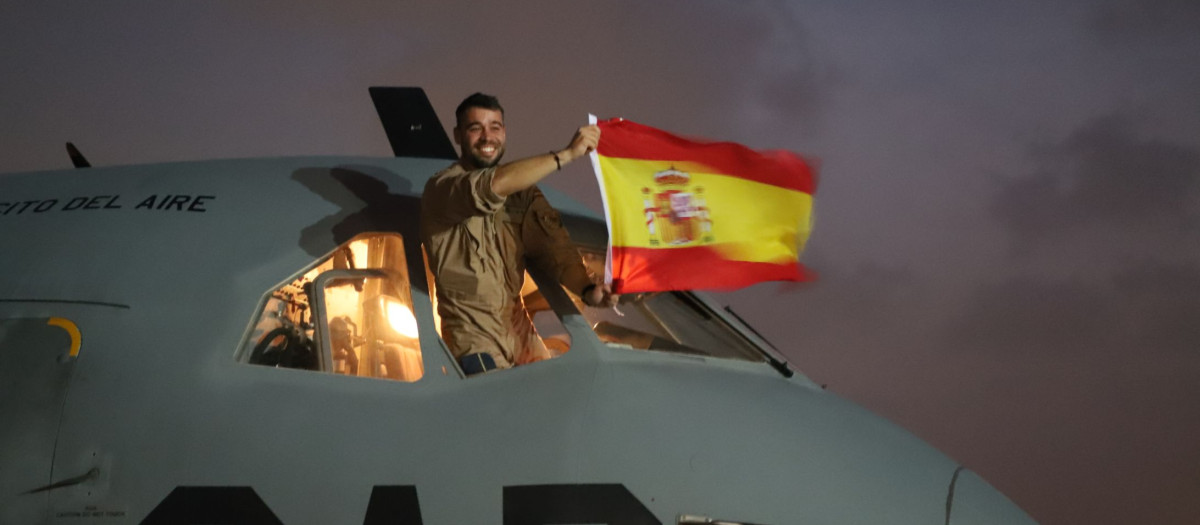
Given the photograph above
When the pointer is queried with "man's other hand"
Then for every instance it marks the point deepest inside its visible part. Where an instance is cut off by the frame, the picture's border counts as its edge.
(600, 295)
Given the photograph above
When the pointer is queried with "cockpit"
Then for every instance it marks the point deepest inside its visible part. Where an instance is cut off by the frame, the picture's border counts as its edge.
(352, 313)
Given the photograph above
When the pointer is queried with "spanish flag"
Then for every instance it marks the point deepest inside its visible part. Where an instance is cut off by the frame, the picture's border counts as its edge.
(686, 215)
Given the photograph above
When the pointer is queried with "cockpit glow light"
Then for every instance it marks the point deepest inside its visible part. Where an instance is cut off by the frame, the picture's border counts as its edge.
(401, 318)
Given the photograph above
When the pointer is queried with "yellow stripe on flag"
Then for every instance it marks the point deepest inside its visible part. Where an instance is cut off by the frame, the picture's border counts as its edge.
(748, 220)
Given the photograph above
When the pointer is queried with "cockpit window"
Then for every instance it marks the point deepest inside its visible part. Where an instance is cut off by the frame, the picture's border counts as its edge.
(350, 314)
(665, 321)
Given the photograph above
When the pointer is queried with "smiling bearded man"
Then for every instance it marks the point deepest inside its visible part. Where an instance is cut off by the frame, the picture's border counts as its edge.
(480, 220)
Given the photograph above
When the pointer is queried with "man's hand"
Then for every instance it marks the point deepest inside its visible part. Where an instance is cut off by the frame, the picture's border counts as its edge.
(519, 175)
(600, 295)
(585, 141)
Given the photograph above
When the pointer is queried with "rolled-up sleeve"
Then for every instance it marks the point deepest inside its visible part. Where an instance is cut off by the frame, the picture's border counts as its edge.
(458, 194)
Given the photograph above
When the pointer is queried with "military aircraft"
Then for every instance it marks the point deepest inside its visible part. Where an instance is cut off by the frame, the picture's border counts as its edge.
(255, 341)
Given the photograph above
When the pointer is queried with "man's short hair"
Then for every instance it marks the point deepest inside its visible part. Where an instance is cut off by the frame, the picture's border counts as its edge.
(478, 100)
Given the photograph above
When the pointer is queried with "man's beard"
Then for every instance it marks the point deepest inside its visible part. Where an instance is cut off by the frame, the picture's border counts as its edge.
(479, 162)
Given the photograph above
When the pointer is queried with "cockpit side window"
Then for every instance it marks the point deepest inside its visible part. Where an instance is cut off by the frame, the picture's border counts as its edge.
(349, 314)
(676, 322)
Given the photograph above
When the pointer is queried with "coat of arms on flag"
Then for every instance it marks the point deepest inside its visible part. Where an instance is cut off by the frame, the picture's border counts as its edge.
(684, 214)
(675, 210)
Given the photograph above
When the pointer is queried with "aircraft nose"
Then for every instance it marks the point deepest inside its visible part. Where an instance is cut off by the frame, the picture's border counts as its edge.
(971, 500)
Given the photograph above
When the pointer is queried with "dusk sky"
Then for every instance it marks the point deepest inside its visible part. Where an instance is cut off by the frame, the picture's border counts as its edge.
(1006, 223)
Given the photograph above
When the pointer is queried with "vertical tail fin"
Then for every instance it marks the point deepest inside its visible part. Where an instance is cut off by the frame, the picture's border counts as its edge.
(411, 124)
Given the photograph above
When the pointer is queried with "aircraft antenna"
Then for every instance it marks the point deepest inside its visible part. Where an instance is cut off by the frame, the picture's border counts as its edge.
(77, 158)
(411, 124)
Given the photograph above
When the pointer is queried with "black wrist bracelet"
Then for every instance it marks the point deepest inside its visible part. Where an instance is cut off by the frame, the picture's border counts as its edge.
(556, 161)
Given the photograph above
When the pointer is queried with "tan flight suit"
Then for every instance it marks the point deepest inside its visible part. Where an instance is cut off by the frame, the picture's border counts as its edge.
(477, 243)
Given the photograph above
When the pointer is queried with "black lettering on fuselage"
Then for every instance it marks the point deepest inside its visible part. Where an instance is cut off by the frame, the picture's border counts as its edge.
(168, 202)
(200, 505)
(26, 205)
(178, 201)
(609, 503)
(38, 206)
(175, 202)
(147, 203)
(393, 504)
(198, 203)
(75, 203)
(98, 202)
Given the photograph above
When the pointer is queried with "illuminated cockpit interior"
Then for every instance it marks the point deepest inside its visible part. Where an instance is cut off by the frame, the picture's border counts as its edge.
(350, 314)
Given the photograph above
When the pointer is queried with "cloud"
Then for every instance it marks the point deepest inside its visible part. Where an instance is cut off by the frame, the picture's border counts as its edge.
(1146, 308)
(1160, 304)
(857, 323)
(716, 69)
(239, 74)
(1026, 316)
(790, 84)
(1123, 21)
(1103, 175)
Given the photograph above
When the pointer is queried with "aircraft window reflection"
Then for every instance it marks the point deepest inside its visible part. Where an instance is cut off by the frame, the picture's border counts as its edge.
(666, 321)
(350, 314)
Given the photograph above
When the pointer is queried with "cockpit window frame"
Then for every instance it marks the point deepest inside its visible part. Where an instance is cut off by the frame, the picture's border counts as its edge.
(320, 309)
(316, 303)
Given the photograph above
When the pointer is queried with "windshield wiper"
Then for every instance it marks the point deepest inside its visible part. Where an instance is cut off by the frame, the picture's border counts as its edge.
(779, 364)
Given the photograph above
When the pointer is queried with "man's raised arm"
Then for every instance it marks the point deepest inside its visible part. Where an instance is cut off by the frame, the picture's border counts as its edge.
(521, 174)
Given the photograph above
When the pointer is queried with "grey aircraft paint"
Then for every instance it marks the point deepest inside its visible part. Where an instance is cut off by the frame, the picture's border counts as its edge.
(159, 418)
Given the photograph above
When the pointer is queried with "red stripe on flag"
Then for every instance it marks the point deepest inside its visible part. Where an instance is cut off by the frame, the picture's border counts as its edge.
(627, 139)
(695, 268)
